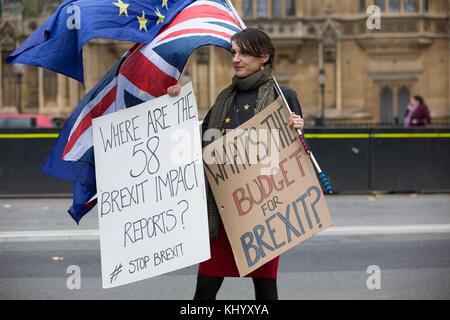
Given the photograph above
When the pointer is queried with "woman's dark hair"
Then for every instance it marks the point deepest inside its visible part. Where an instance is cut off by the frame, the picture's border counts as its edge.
(419, 98)
(256, 43)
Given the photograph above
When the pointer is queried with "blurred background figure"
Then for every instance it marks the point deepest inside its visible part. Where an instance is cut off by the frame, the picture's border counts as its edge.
(417, 113)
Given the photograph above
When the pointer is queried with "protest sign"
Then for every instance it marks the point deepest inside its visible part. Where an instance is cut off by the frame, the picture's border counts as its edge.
(150, 189)
(265, 188)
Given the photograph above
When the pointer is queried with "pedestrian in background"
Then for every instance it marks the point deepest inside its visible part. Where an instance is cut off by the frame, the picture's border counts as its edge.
(417, 113)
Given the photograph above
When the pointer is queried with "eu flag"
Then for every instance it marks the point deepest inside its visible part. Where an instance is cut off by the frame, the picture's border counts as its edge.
(143, 73)
(57, 44)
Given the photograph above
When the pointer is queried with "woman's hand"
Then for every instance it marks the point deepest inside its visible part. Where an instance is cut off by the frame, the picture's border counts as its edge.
(174, 91)
(296, 122)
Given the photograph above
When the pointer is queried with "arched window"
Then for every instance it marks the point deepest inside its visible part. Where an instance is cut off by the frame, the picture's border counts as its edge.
(386, 106)
(403, 101)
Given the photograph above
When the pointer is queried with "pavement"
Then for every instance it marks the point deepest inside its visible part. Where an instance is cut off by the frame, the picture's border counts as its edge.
(380, 247)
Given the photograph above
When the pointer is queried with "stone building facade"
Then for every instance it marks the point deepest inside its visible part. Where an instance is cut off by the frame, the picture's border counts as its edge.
(372, 65)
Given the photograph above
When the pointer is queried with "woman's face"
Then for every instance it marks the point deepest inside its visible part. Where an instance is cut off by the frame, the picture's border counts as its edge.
(244, 64)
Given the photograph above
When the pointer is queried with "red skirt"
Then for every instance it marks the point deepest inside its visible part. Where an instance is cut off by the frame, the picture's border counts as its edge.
(222, 262)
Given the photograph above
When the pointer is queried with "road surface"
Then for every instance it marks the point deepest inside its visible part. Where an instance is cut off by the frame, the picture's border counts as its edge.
(380, 247)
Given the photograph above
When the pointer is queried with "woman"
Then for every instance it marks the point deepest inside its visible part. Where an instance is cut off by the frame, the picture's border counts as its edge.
(417, 113)
(252, 90)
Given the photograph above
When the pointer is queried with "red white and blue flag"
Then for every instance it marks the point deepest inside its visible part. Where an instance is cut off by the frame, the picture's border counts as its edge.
(143, 73)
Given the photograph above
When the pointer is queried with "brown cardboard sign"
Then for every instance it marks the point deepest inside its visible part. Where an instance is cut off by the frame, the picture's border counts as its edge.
(265, 187)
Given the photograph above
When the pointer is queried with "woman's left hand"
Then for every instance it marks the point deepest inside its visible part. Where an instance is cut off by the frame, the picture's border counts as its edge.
(296, 122)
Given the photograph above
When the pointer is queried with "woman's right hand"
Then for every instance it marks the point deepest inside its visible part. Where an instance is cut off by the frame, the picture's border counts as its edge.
(174, 91)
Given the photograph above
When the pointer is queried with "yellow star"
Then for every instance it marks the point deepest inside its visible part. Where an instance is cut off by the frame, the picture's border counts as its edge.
(237, 110)
(164, 4)
(246, 107)
(123, 7)
(223, 131)
(227, 120)
(160, 16)
(142, 22)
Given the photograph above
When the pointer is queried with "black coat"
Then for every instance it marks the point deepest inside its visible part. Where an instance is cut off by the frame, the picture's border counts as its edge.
(289, 94)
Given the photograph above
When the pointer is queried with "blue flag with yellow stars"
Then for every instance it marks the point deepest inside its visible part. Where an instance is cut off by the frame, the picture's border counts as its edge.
(57, 44)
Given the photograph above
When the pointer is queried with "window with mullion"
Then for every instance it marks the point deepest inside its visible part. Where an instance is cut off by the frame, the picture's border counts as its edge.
(261, 11)
(247, 8)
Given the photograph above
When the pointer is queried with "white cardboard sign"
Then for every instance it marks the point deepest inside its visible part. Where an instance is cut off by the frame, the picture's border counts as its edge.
(150, 189)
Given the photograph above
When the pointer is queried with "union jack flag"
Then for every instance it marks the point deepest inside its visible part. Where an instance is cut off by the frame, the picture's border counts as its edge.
(143, 73)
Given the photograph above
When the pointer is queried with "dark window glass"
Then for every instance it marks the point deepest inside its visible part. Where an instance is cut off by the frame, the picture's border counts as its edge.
(276, 9)
(247, 8)
(394, 5)
(290, 7)
(362, 6)
(262, 9)
(381, 4)
(410, 6)
(16, 122)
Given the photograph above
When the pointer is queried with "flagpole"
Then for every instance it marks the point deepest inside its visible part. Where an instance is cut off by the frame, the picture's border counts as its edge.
(323, 179)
